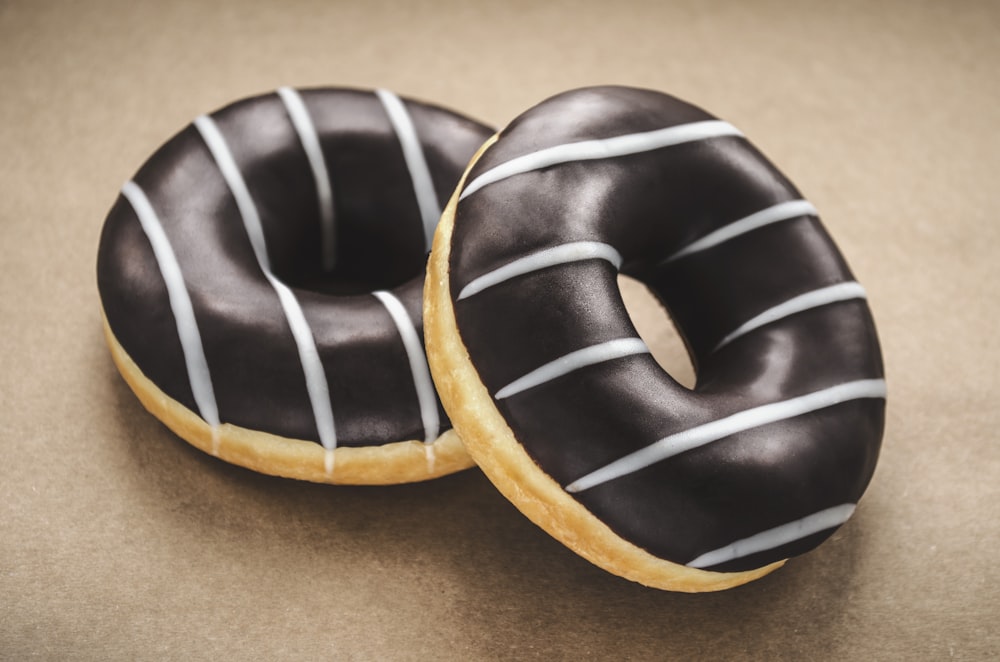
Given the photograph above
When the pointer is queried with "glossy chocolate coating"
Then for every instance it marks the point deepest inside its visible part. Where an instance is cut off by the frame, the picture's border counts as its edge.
(648, 206)
(256, 371)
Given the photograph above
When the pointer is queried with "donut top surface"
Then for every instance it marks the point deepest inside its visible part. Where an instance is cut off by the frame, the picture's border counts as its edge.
(773, 447)
(237, 268)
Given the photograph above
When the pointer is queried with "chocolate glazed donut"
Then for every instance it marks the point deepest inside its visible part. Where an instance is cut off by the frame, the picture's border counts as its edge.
(236, 273)
(559, 400)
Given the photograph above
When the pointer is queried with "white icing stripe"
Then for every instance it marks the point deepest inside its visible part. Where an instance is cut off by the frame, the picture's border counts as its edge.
(606, 148)
(413, 153)
(803, 302)
(571, 252)
(776, 537)
(231, 173)
(304, 126)
(581, 358)
(782, 211)
(180, 304)
(312, 367)
(426, 395)
(724, 427)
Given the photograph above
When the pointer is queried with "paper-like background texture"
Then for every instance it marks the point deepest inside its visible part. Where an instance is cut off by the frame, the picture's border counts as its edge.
(119, 541)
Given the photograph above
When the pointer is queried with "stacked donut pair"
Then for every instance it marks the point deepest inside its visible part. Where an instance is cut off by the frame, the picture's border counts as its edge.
(262, 284)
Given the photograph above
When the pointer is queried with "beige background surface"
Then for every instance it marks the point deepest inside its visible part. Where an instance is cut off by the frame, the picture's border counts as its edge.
(118, 541)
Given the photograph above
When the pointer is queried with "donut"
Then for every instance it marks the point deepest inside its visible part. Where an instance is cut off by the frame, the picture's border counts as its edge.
(558, 399)
(261, 282)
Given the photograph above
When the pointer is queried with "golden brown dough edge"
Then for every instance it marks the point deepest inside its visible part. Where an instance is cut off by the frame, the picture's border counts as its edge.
(388, 464)
(491, 443)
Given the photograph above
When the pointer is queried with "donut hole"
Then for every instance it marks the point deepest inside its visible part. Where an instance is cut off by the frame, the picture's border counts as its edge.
(657, 330)
(363, 265)
(340, 282)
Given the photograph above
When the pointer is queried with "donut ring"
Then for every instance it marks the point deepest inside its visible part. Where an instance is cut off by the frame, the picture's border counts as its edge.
(558, 399)
(236, 273)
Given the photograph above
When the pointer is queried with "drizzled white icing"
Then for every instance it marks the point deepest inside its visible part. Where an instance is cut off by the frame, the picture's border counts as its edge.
(803, 302)
(426, 395)
(304, 126)
(776, 537)
(180, 304)
(234, 179)
(329, 460)
(563, 254)
(606, 148)
(413, 154)
(581, 358)
(430, 455)
(782, 211)
(723, 427)
(312, 367)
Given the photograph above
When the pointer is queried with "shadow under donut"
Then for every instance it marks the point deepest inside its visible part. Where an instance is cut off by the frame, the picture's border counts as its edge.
(465, 552)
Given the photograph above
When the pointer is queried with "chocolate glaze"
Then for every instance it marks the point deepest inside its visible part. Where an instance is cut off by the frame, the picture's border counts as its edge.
(648, 206)
(255, 369)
